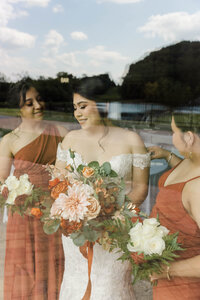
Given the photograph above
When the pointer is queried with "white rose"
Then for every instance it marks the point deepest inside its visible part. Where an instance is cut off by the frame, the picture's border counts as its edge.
(151, 221)
(148, 231)
(136, 244)
(155, 245)
(136, 230)
(25, 187)
(162, 231)
(12, 183)
(23, 177)
(11, 197)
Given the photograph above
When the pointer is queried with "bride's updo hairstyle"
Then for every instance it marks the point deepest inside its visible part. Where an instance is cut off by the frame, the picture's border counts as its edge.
(187, 121)
(94, 89)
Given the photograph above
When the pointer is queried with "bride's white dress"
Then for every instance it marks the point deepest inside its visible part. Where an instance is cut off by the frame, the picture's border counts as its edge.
(111, 279)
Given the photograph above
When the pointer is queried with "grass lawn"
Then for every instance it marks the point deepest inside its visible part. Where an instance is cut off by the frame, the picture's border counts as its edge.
(161, 122)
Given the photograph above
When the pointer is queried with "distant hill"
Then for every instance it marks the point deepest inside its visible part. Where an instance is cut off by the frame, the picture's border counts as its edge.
(169, 76)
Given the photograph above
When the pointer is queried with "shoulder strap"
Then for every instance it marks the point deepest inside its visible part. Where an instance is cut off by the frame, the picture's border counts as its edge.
(192, 179)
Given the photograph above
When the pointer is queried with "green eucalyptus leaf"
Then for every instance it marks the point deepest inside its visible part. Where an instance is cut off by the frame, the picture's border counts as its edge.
(93, 164)
(121, 198)
(106, 167)
(51, 226)
(78, 238)
(113, 174)
(80, 168)
(90, 234)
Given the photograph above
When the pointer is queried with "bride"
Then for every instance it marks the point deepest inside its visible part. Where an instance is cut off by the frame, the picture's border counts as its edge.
(96, 140)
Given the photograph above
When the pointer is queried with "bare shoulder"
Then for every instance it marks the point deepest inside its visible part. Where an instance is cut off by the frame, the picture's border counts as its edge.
(192, 188)
(131, 138)
(62, 130)
(70, 137)
(7, 142)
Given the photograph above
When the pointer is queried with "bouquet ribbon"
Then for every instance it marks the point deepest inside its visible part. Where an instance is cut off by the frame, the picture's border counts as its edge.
(87, 251)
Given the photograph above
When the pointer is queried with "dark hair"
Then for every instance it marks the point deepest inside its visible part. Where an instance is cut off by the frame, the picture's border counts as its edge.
(94, 88)
(17, 92)
(187, 120)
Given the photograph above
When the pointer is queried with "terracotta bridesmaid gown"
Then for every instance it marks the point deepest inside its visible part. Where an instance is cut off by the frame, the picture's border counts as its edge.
(173, 215)
(34, 261)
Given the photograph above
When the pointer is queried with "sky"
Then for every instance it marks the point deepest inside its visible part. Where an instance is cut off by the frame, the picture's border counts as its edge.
(89, 37)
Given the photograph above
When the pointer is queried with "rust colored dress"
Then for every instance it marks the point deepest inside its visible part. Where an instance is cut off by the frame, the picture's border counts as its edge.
(34, 261)
(173, 215)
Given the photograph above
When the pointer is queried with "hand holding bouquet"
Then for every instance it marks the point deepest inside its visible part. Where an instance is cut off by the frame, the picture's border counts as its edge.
(146, 244)
(86, 196)
(21, 196)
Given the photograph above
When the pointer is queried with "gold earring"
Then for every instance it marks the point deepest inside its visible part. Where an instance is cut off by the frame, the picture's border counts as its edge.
(190, 155)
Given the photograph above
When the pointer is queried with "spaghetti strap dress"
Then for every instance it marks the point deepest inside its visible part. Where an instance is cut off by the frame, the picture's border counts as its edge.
(173, 215)
(34, 261)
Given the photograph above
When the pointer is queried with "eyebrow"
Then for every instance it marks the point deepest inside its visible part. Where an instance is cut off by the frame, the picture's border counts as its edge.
(81, 102)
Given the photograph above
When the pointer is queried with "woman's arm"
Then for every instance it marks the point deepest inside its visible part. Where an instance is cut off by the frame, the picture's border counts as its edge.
(6, 157)
(140, 176)
(170, 157)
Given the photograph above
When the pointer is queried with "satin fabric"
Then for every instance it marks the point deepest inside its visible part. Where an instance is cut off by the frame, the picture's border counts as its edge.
(34, 261)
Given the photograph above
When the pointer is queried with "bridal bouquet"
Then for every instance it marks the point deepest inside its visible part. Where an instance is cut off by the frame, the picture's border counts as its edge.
(145, 243)
(21, 196)
(84, 197)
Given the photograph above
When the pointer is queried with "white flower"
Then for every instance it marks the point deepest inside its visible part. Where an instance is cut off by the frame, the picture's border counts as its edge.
(25, 186)
(58, 206)
(12, 183)
(74, 205)
(155, 245)
(136, 230)
(151, 221)
(136, 244)
(23, 177)
(148, 231)
(11, 197)
(162, 231)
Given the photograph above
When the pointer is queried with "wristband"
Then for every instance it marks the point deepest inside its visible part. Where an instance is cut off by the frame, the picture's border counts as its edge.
(168, 275)
(170, 157)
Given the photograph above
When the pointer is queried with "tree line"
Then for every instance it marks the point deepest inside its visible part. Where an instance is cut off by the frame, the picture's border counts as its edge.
(169, 76)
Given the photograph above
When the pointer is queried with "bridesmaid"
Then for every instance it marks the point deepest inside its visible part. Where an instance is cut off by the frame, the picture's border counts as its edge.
(178, 206)
(34, 261)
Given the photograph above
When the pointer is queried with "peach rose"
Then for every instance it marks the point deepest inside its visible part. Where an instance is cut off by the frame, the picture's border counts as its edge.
(103, 191)
(87, 172)
(53, 183)
(93, 209)
(70, 227)
(36, 212)
(61, 187)
(99, 182)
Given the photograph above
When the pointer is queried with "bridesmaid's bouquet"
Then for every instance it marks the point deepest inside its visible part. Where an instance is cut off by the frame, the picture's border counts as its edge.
(20, 196)
(145, 243)
(84, 197)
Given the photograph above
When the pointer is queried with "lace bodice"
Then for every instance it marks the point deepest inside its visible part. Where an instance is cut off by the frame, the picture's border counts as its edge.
(111, 279)
(122, 164)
